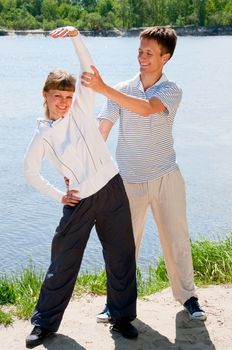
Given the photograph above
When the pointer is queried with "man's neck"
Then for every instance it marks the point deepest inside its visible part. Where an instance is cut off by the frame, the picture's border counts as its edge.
(149, 79)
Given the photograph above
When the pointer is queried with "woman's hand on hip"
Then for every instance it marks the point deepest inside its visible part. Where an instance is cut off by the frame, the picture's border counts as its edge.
(70, 198)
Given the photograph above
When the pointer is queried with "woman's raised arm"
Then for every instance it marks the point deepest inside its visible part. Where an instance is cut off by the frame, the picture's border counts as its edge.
(84, 97)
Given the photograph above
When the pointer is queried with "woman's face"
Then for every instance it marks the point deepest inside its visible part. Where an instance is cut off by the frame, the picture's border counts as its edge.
(58, 102)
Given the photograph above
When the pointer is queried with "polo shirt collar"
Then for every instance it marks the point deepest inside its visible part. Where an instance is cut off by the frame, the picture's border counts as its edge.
(136, 81)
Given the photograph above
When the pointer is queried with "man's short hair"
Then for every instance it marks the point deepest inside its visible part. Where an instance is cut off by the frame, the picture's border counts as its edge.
(165, 36)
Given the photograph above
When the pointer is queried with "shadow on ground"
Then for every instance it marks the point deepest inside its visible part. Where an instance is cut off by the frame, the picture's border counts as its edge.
(61, 342)
(190, 335)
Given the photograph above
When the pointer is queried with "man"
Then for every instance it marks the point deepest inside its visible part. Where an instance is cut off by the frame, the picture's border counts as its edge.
(146, 107)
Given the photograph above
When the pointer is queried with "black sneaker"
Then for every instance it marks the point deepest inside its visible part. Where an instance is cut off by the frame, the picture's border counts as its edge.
(104, 316)
(125, 328)
(194, 310)
(37, 336)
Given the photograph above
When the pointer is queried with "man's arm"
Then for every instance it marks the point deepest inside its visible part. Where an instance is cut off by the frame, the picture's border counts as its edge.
(140, 106)
(104, 127)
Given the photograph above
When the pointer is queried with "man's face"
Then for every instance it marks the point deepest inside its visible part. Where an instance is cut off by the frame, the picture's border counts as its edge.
(150, 58)
(58, 102)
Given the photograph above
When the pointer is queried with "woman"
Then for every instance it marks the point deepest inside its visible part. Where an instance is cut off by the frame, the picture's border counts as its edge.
(69, 139)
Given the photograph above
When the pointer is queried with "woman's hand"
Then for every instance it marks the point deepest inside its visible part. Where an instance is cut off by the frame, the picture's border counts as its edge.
(63, 32)
(70, 198)
(93, 80)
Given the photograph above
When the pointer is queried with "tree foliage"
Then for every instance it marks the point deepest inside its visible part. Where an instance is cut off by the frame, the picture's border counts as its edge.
(107, 14)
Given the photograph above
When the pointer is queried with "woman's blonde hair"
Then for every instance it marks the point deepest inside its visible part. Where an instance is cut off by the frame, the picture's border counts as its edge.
(58, 80)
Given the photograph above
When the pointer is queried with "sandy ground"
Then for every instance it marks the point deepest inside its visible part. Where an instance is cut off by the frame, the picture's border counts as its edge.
(162, 324)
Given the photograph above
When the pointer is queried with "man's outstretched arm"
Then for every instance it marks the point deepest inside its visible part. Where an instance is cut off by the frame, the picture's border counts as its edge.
(140, 106)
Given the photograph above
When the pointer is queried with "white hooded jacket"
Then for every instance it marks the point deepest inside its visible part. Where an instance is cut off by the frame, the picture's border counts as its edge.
(73, 144)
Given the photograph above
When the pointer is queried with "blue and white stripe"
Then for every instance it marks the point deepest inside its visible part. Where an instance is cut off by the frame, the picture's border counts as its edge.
(145, 144)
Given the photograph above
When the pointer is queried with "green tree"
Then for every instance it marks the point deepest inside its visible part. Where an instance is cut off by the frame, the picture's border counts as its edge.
(105, 6)
(24, 20)
(32, 6)
(69, 12)
(49, 9)
(108, 9)
(122, 9)
(1, 6)
(113, 13)
(90, 21)
(228, 12)
(200, 11)
(155, 13)
(179, 12)
(88, 5)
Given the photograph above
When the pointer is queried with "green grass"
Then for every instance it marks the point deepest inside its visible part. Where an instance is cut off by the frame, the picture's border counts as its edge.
(21, 291)
(6, 318)
(212, 265)
(212, 261)
(27, 287)
(91, 283)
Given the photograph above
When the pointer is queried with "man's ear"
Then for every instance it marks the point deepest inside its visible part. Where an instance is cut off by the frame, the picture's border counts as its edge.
(44, 94)
(166, 57)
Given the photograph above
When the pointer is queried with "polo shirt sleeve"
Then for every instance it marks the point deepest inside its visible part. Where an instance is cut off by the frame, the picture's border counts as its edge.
(110, 110)
(169, 94)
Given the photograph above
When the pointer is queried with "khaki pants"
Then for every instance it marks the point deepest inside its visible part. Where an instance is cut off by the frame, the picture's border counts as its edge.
(166, 197)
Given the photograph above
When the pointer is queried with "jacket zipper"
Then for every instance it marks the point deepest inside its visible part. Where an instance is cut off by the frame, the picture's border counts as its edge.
(85, 143)
(61, 160)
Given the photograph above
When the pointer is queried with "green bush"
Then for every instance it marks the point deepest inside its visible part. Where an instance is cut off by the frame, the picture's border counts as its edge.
(7, 291)
(5, 318)
(212, 261)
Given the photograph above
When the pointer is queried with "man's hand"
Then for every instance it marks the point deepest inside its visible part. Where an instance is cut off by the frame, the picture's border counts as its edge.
(140, 106)
(64, 32)
(93, 80)
(70, 198)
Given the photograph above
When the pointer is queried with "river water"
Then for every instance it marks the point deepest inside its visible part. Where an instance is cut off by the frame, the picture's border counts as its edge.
(203, 139)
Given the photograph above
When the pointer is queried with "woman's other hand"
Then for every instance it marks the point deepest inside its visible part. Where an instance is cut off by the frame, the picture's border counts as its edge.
(70, 198)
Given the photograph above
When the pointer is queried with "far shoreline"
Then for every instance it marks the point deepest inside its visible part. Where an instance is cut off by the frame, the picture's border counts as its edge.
(133, 32)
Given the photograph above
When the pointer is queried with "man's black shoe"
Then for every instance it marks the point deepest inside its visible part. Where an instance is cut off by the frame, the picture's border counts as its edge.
(194, 310)
(125, 328)
(37, 336)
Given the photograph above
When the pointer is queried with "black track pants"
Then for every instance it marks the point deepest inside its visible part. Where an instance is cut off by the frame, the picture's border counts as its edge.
(108, 210)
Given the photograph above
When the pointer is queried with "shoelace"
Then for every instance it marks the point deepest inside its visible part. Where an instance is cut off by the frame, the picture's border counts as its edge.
(196, 305)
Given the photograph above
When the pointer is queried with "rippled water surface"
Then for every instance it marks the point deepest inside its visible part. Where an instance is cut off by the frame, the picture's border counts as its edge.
(203, 139)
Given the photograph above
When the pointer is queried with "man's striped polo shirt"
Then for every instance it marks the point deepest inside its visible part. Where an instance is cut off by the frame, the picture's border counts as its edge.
(145, 144)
